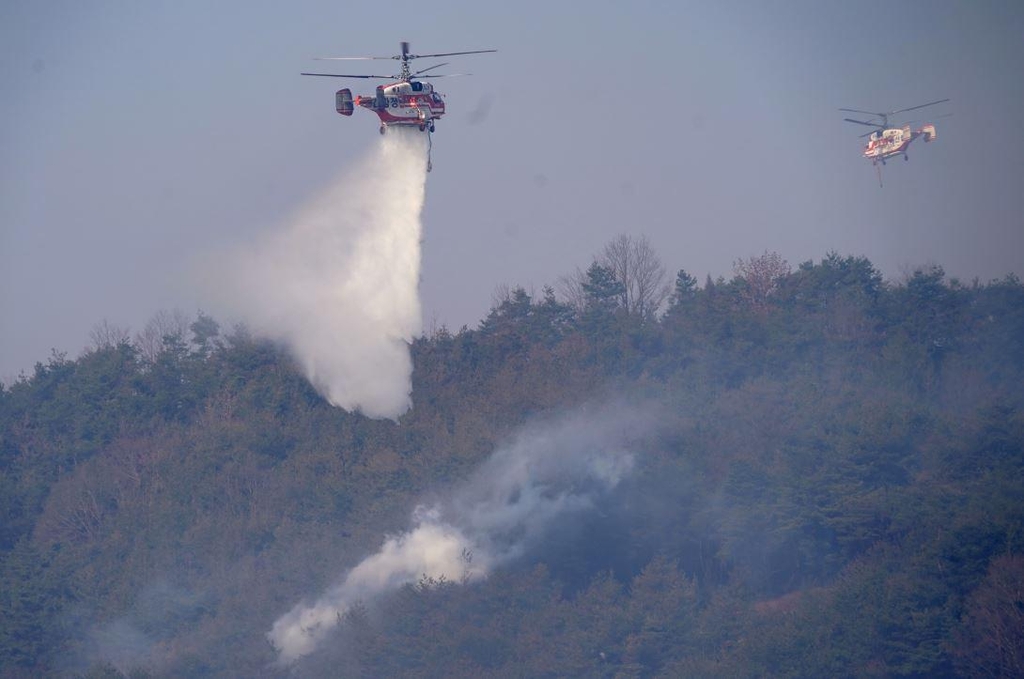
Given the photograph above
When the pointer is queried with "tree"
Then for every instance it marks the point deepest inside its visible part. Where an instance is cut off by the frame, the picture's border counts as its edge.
(205, 334)
(552, 318)
(760, 276)
(164, 324)
(105, 335)
(663, 604)
(685, 287)
(509, 307)
(603, 291)
(813, 513)
(33, 596)
(634, 265)
(991, 641)
(570, 287)
(637, 267)
(684, 293)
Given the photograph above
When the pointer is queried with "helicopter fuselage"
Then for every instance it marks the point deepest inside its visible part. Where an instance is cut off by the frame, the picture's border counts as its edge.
(404, 103)
(894, 141)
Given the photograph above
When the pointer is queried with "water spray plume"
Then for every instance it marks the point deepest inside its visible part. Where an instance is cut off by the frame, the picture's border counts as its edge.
(339, 284)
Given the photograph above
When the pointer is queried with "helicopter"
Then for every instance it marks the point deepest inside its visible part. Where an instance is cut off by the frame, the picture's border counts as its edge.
(407, 102)
(885, 141)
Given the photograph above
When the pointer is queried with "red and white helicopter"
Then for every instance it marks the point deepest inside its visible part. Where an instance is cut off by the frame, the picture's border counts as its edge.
(407, 102)
(887, 142)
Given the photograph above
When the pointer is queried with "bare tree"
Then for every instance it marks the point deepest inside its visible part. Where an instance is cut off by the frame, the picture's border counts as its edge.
(164, 324)
(106, 335)
(991, 639)
(641, 273)
(761, 276)
(570, 287)
(502, 293)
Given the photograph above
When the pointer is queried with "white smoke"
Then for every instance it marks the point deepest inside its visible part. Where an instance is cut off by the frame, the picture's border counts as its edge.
(545, 472)
(141, 636)
(339, 283)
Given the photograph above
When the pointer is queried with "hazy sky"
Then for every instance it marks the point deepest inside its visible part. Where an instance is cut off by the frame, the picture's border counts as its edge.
(136, 137)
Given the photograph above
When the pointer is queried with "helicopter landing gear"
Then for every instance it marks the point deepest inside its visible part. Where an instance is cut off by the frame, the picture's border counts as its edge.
(906, 157)
(422, 127)
(431, 127)
(383, 129)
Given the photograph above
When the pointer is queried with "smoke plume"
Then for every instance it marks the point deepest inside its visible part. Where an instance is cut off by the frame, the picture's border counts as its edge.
(141, 637)
(546, 471)
(339, 283)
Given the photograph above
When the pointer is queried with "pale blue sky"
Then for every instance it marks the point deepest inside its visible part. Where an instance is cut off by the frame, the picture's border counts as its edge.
(136, 136)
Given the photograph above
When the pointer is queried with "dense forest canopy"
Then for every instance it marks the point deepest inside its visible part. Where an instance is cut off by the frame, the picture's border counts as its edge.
(830, 482)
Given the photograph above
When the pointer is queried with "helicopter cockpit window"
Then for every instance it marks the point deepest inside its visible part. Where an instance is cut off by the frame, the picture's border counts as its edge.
(417, 87)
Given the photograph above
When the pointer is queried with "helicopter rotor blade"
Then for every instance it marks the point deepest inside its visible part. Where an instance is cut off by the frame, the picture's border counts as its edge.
(430, 68)
(914, 108)
(350, 58)
(340, 75)
(861, 122)
(857, 110)
(404, 56)
(447, 54)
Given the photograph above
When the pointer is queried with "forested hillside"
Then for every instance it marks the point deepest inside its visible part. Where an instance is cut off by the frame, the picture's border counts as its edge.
(832, 485)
